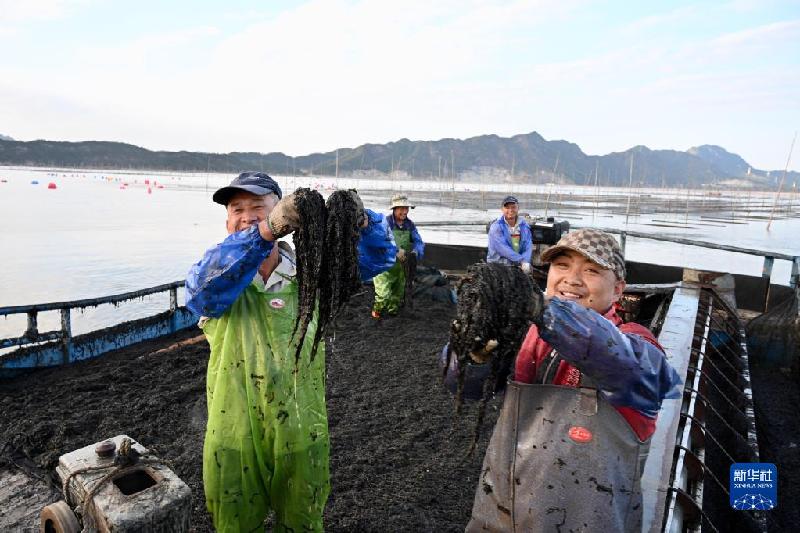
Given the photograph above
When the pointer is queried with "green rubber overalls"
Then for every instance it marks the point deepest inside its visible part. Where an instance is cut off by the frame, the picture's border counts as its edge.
(390, 286)
(266, 444)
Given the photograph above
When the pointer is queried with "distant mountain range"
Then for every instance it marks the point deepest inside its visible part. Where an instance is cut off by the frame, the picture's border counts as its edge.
(527, 158)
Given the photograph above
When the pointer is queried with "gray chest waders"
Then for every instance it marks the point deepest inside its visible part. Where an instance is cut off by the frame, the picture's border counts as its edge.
(560, 459)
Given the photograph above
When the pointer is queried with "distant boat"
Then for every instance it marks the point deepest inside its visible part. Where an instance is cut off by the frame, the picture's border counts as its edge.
(51, 185)
(34, 182)
(3, 180)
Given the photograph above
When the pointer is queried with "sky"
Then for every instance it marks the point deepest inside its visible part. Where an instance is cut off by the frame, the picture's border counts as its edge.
(311, 76)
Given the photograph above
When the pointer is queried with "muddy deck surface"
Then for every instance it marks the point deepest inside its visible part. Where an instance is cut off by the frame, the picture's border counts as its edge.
(397, 451)
(397, 454)
(776, 395)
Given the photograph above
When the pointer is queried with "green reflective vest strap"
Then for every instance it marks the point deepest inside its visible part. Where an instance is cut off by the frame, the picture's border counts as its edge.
(266, 444)
(390, 285)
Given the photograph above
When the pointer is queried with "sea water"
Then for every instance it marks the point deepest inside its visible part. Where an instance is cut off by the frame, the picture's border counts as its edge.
(100, 233)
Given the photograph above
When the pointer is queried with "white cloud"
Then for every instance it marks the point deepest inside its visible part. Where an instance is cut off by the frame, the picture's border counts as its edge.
(149, 47)
(320, 76)
(328, 74)
(768, 34)
(658, 20)
(15, 11)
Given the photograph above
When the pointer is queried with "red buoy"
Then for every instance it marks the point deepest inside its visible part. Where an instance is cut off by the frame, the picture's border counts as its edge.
(51, 185)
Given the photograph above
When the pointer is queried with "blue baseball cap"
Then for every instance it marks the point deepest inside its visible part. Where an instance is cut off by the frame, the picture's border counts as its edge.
(510, 200)
(257, 183)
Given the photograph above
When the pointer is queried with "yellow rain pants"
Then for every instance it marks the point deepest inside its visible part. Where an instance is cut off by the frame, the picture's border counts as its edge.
(266, 444)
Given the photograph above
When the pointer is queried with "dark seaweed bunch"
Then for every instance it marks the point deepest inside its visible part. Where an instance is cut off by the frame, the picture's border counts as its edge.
(339, 278)
(495, 303)
(410, 271)
(309, 240)
(326, 245)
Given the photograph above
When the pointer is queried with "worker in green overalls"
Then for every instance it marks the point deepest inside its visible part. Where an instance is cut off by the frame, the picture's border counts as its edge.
(266, 445)
(390, 286)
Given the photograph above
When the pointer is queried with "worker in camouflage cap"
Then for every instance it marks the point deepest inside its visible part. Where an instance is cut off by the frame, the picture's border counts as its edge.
(581, 407)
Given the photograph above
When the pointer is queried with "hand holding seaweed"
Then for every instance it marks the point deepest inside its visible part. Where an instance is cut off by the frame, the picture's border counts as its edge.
(326, 244)
(496, 306)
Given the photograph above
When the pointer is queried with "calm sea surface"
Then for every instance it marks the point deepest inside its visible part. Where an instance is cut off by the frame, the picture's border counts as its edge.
(95, 236)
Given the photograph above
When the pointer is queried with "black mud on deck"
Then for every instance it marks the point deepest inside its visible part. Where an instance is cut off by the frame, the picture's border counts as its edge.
(396, 461)
(396, 457)
(776, 396)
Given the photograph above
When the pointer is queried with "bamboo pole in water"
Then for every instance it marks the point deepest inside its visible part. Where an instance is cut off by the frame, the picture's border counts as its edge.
(785, 169)
(630, 184)
(547, 200)
(596, 191)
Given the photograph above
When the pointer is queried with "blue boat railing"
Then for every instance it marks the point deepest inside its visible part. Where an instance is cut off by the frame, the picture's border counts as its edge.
(36, 349)
(766, 270)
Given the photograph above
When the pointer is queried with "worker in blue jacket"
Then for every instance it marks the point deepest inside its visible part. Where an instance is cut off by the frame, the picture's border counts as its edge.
(510, 239)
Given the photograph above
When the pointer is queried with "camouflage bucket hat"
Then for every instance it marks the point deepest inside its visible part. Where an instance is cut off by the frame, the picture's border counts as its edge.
(596, 245)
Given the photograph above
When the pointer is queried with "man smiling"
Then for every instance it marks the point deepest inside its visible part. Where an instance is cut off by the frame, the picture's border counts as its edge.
(586, 267)
(266, 445)
(570, 444)
(510, 239)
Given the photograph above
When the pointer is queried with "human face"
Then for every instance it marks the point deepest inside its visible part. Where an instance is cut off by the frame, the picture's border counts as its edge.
(575, 277)
(247, 209)
(400, 214)
(510, 211)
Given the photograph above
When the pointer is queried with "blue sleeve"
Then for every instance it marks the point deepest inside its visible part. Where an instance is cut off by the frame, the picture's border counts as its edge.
(630, 371)
(376, 248)
(416, 240)
(498, 244)
(225, 271)
(526, 244)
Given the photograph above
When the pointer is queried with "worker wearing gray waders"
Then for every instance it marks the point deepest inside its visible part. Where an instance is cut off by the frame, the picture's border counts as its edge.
(569, 447)
(390, 286)
(510, 238)
(266, 444)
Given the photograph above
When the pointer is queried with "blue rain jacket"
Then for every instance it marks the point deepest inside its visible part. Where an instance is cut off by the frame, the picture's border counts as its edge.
(416, 240)
(225, 271)
(629, 371)
(500, 250)
(376, 249)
